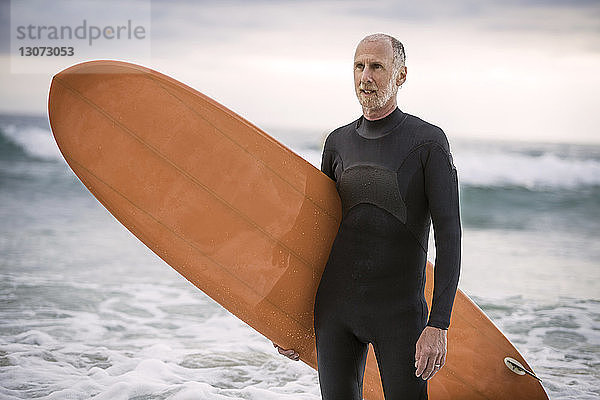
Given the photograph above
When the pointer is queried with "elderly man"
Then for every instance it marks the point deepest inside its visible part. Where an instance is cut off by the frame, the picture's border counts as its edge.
(394, 174)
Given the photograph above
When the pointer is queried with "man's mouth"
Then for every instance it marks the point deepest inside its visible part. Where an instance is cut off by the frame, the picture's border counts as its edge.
(365, 91)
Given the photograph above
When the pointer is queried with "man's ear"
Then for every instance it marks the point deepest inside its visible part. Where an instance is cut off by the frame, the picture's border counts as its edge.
(401, 78)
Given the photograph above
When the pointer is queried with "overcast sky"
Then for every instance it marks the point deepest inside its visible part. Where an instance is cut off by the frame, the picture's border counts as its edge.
(520, 69)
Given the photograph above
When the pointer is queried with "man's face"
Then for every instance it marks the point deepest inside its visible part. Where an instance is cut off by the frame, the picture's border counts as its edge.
(374, 80)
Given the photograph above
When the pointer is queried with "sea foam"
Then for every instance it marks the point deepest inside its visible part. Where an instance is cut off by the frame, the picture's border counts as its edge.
(35, 142)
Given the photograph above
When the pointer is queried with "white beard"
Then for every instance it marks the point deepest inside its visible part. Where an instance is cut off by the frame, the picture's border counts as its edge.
(382, 97)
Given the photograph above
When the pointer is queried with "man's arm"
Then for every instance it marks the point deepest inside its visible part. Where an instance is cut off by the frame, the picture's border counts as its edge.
(441, 188)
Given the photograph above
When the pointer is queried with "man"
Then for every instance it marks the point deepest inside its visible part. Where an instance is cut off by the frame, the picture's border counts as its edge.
(394, 174)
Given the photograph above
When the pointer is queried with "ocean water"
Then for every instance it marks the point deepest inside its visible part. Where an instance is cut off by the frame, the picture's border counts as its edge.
(86, 310)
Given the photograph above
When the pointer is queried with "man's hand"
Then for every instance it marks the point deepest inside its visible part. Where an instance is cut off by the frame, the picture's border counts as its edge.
(430, 355)
(291, 354)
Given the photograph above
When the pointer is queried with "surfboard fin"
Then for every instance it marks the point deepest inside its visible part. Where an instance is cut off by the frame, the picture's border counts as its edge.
(518, 368)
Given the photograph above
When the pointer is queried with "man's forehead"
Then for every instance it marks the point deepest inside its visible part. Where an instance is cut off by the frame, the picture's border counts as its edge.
(376, 49)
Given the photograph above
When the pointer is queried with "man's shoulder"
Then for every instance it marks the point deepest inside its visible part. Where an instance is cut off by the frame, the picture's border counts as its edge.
(346, 128)
(338, 133)
(426, 131)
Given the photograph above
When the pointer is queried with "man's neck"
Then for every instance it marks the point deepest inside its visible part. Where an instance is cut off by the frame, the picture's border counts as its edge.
(375, 114)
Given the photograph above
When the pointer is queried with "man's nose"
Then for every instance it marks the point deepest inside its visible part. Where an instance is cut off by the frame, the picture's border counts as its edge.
(366, 75)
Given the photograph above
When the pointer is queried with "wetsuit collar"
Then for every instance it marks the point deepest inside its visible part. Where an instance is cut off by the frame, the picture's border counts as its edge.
(379, 127)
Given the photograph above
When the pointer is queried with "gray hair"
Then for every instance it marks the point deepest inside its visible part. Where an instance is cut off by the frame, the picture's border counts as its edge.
(397, 48)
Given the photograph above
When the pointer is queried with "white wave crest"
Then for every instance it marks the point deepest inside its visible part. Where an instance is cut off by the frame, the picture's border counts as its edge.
(534, 172)
(36, 142)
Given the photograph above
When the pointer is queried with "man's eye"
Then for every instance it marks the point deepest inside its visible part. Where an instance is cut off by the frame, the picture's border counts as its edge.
(359, 66)
(377, 66)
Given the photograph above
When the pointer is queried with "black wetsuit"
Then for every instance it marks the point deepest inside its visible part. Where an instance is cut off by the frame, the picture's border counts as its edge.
(394, 176)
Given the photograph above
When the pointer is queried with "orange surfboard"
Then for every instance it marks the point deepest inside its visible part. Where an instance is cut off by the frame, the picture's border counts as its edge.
(238, 214)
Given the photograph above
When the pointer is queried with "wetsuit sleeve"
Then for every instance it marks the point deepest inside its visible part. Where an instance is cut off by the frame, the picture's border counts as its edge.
(327, 161)
(441, 188)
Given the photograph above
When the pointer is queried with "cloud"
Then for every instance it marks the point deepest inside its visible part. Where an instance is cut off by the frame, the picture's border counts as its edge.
(206, 25)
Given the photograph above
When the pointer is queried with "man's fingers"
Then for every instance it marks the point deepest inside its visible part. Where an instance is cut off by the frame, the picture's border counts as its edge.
(434, 363)
(439, 363)
(428, 365)
(290, 353)
(287, 353)
(421, 364)
(429, 369)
